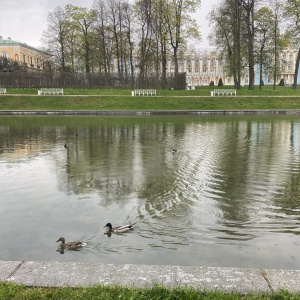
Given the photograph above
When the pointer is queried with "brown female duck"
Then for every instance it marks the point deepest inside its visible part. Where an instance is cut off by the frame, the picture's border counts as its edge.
(70, 245)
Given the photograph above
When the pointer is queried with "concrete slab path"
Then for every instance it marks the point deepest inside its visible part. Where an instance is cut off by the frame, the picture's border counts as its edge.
(57, 274)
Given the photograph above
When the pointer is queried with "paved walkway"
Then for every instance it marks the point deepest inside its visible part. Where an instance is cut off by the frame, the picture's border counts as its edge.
(55, 274)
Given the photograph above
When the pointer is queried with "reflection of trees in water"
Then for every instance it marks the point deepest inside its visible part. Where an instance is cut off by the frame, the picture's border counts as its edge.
(257, 173)
(233, 173)
(230, 163)
(287, 198)
(119, 162)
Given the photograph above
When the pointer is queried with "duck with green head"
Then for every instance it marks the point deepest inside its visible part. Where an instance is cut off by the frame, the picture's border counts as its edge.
(118, 229)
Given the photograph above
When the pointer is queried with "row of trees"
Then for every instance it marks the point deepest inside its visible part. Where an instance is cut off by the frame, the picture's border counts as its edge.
(250, 33)
(118, 38)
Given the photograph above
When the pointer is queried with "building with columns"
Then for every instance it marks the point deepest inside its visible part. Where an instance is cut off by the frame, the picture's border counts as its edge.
(287, 61)
(205, 66)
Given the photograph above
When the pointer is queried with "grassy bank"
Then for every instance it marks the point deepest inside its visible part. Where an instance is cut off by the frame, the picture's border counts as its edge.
(11, 291)
(27, 102)
(199, 99)
(199, 91)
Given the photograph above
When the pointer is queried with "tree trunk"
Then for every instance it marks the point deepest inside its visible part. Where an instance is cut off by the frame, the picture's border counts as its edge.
(249, 9)
(164, 64)
(296, 70)
(238, 82)
(87, 56)
(251, 61)
(261, 67)
(176, 70)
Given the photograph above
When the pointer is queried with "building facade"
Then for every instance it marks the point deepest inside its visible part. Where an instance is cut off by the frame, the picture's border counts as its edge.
(26, 55)
(206, 66)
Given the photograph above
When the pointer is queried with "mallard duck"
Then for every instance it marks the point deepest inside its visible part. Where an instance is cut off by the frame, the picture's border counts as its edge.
(70, 245)
(119, 229)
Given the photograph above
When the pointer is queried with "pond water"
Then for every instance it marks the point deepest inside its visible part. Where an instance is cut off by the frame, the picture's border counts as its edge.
(229, 196)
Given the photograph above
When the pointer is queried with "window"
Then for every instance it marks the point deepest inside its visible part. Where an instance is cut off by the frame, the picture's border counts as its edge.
(4, 54)
(213, 66)
(205, 66)
(284, 68)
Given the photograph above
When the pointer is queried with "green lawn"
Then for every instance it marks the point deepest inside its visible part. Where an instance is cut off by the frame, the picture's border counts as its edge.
(199, 91)
(11, 291)
(199, 99)
(100, 102)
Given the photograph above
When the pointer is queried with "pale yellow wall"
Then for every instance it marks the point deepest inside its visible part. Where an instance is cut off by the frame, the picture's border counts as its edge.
(32, 59)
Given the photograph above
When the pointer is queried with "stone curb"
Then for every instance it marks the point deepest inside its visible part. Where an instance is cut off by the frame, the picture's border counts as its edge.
(147, 113)
(71, 274)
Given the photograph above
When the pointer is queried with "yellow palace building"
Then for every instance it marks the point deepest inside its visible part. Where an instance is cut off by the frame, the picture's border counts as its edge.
(26, 55)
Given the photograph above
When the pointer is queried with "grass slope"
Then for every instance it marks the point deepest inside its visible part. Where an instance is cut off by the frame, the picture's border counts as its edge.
(199, 99)
(27, 102)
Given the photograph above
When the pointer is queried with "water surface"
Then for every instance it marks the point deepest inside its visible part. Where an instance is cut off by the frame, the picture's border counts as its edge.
(229, 196)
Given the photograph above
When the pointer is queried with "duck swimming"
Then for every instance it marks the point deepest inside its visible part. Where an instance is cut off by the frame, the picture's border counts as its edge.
(70, 245)
(119, 229)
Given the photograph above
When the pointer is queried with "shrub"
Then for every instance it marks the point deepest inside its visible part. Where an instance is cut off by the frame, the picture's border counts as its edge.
(220, 83)
(281, 83)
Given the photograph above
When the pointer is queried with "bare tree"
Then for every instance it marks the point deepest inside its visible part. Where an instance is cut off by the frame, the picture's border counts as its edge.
(103, 38)
(292, 13)
(128, 28)
(180, 25)
(227, 36)
(81, 19)
(144, 17)
(55, 37)
(249, 8)
(264, 39)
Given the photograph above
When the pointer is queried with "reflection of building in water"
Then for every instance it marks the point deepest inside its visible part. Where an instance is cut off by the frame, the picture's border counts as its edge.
(22, 152)
(208, 66)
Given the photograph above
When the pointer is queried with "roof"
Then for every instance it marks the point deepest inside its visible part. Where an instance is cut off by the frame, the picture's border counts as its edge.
(10, 42)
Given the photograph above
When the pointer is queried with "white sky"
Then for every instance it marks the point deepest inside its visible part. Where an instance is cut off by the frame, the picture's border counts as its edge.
(25, 21)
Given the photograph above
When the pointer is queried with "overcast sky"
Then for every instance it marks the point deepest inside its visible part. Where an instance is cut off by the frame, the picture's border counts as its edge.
(25, 21)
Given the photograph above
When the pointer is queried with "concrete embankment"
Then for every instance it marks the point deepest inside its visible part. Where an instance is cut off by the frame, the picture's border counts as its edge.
(146, 113)
(71, 274)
